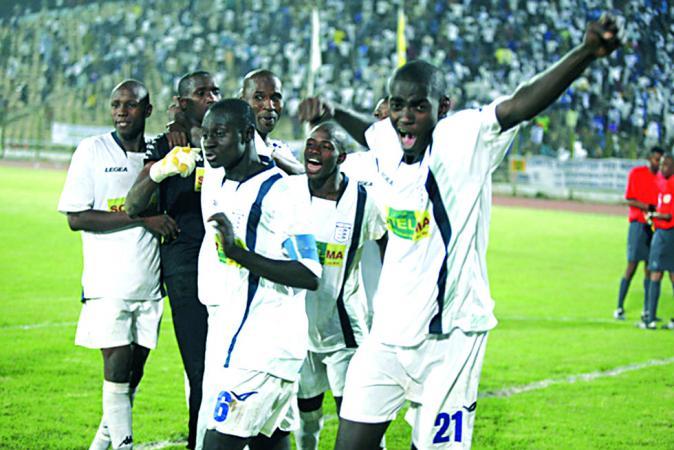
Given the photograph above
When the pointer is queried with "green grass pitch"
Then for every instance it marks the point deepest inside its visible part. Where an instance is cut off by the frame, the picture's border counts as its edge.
(554, 276)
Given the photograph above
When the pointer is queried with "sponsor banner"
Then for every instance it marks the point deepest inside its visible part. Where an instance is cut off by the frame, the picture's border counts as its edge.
(609, 174)
(70, 134)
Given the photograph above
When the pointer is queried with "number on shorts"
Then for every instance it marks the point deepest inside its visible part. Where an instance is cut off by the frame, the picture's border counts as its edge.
(443, 421)
(222, 406)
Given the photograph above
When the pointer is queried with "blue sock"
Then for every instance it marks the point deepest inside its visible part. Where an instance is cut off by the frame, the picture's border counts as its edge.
(624, 286)
(653, 296)
(647, 284)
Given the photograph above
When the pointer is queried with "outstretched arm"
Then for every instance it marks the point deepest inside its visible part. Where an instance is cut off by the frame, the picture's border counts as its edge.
(316, 109)
(289, 273)
(601, 38)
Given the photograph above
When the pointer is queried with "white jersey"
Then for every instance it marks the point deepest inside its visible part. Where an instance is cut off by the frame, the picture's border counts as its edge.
(434, 276)
(273, 146)
(266, 326)
(121, 264)
(338, 310)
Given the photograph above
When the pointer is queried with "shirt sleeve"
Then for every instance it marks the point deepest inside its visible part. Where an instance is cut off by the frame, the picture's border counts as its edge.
(375, 218)
(493, 139)
(156, 149)
(282, 149)
(79, 188)
(293, 224)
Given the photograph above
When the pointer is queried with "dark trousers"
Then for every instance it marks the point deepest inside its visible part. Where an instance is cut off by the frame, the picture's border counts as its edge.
(190, 322)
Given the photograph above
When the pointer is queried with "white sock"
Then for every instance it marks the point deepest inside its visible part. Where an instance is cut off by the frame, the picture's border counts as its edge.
(102, 439)
(306, 437)
(117, 414)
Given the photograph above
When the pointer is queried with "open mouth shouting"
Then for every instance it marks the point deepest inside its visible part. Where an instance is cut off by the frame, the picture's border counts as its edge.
(313, 165)
(407, 140)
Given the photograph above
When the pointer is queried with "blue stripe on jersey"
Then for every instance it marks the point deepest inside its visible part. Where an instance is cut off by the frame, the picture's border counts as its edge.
(347, 330)
(301, 246)
(441, 218)
(251, 238)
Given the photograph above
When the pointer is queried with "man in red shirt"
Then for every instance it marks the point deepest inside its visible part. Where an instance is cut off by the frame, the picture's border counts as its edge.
(661, 256)
(642, 197)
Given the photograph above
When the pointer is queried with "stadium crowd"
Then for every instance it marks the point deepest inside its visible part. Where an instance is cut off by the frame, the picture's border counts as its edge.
(72, 56)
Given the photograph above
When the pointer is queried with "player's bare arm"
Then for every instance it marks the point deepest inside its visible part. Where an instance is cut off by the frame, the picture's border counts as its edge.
(140, 195)
(179, 161)
(640, 205)
(317, 109)
(289, 166)
(289, 273)
(601, 39)
(101, 221)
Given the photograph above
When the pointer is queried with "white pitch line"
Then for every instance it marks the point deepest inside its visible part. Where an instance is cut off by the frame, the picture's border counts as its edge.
(33, 326)
(501, 393)
(160, 445)
(571, 379)
(558, 319)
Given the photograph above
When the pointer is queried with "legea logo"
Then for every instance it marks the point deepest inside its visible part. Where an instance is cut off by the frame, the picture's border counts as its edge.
(412, 225)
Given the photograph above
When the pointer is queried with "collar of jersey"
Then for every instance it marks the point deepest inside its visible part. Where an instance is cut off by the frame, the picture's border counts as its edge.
(119, 143)
(270, 164)
(340, 194)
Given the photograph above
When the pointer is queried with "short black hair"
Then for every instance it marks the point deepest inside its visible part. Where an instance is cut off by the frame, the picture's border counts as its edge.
(257, 73)
(337, 134)
(658, 150)
(234, 111)
(422, 73)
(185, 82)
(131, 84)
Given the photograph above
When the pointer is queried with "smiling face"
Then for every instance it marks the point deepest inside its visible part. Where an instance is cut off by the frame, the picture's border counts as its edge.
(414, 114)
(129, 108)
(223, 141)
(263, 93)
(322, 154)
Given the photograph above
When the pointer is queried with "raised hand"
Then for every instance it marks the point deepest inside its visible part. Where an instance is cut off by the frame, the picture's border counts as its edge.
(179, 161)
(315, 109)
(603, 36)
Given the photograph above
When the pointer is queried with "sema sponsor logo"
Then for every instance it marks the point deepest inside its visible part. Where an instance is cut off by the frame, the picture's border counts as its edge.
(116, 204)
(331, 254)
(412, 225)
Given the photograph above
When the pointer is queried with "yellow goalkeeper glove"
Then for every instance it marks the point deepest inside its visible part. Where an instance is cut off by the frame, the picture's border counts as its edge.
(179, 161)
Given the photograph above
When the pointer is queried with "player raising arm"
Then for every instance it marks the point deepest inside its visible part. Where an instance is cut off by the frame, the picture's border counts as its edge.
(433, 308)
(121, 292)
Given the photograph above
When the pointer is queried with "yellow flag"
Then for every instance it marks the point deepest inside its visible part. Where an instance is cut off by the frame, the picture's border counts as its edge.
(402, 43)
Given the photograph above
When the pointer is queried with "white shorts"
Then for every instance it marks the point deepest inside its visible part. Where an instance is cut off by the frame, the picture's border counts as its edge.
(111, 322)
(439, 377)
(246, 403)
(323, 371)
